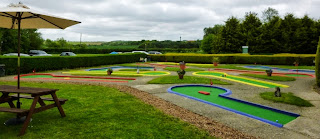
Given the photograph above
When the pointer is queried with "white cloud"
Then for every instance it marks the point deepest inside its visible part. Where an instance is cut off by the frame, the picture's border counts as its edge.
(107, 20)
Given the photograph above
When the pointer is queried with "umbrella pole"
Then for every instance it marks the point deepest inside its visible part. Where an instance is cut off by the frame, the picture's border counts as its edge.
(18, 120)
(19, 41)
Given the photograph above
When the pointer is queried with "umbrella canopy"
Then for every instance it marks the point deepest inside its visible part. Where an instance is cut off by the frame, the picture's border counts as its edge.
(19, 16)
(30, 19)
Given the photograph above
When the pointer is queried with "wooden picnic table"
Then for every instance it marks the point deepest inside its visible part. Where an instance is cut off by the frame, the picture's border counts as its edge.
(29, 93)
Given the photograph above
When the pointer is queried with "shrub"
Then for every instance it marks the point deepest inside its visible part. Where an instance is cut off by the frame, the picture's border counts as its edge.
(286, 59)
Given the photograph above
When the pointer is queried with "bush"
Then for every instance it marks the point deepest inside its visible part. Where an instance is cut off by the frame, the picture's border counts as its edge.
(285, 59)
(58, 63)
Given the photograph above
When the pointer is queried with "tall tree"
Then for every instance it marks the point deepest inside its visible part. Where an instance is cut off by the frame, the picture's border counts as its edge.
(213, 30)
(269, 13)
(207, 43)
(251, 29)
(271, 36)
(231, 36)
(289, 26)
(306, 35)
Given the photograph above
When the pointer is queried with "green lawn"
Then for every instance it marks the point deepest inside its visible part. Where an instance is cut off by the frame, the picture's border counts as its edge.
(186, 79)
(273, 78)
(287, 98)
(177, 68)
(134, 70)
(98, 112)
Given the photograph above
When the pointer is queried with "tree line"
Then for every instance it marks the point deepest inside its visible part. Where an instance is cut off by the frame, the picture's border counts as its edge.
(30, 39)
(272, 34)
(169, 44)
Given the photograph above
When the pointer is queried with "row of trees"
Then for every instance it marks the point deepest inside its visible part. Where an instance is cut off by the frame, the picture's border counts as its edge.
(169, 44)
(61, 43)
(271, 35)
(30, 39)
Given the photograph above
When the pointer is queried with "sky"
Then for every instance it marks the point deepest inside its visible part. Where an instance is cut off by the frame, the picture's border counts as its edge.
(134, 20)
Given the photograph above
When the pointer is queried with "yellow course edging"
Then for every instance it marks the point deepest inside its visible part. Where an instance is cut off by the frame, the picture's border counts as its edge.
(280, 85)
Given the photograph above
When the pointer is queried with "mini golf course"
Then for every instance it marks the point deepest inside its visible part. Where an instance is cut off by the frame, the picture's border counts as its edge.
(121, 73)
(280, 69)
(249, 81)
(297, 75)
(75, 78)
(118, 67)
(218, 96)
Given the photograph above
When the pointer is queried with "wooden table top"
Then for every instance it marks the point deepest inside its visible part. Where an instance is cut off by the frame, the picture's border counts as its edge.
(26, 90)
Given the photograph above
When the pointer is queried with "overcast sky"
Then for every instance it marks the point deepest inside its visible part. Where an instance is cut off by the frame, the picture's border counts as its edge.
(107, 20)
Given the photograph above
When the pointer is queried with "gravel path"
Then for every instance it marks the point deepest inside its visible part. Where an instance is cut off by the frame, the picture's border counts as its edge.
(222, 123)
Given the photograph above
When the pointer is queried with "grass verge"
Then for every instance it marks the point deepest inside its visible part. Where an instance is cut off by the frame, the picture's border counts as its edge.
(287, 98)
(273, 78)
(98, 112)
(186, 79)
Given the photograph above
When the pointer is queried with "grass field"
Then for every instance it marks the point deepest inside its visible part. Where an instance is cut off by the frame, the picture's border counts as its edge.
(273, 78)
(113, 47)
(287, 98)
(98, 112)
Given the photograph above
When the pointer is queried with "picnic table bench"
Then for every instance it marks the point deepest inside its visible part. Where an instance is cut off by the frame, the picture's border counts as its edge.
(36, 94)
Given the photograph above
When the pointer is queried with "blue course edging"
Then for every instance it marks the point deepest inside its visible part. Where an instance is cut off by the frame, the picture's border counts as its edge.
(225, 95)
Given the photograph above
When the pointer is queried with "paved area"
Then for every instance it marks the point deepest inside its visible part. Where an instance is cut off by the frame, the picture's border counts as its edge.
(305, 126)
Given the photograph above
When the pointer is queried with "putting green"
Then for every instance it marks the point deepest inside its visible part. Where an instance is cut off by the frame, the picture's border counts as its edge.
(232, 104)
(123, 73)
(249, 81)
(297, 75)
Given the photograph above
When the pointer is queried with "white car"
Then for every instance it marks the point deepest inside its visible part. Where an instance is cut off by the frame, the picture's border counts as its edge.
(140, 52)
(16, 54)
(38, 53)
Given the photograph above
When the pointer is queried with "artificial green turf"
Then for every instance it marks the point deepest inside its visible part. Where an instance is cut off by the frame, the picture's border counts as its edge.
(186, 79)
(297, 75)
(249, 109)
(98, 112)
(239, 79)
(187, 69)
(133, 70)
(287, 98)
(273, 78)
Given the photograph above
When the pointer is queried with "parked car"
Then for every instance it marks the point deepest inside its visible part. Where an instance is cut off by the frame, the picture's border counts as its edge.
(154, 52)
(15, 54)
(68, 54)
(38, 53)
(114, 52)
(140, 52)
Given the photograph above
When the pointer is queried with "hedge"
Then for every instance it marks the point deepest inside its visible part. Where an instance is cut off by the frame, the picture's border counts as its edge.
(107, 51)
(28, 64)
(286, 59)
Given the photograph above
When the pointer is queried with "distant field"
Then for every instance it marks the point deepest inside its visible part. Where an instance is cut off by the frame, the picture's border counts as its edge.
(88, 43)
(113, 47)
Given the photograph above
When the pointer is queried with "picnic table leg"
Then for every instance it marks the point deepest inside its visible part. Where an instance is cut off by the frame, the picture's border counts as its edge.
(55, 98)
(27, 121)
